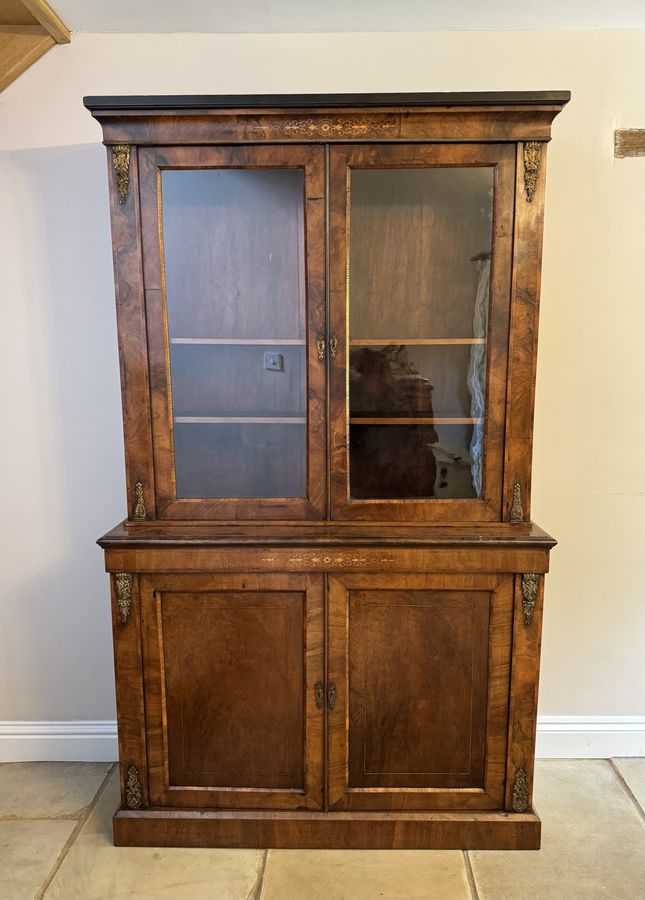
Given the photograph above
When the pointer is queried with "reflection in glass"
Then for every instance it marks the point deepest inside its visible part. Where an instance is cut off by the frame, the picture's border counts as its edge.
(418, 331)
(235, 297)
(476, 376)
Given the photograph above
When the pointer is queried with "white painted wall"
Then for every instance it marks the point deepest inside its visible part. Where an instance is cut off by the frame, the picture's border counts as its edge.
(339, 15)
(61, 454)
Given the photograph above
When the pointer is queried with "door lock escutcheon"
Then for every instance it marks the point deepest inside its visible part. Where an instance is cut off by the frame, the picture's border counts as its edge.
(319, 695)
(321, 346)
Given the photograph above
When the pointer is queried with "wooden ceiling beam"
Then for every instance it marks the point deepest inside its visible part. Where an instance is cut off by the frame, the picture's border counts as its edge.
(28, 29)
(20, 50)
(52, 24)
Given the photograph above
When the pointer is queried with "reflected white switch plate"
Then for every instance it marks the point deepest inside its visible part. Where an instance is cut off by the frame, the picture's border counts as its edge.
(274, 362)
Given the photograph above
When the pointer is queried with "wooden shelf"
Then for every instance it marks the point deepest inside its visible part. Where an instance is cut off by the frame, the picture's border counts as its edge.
(270, 342)
(240, 420)
(416, 342)
(414, 420)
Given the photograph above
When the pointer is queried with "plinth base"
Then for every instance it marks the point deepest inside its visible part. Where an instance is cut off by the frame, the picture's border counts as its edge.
(349, 831)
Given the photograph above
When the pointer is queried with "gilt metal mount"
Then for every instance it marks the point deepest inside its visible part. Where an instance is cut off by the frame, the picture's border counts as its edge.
(139, 502)
(123, 582)
(133, 792)
(520, 799)
(319, 694)
(530, 583)
(532, 152)
(517, 513)
(121, 163)
(331, 695)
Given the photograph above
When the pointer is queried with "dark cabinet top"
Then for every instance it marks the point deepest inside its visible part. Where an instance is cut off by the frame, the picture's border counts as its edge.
(526, 534)
(302, 101)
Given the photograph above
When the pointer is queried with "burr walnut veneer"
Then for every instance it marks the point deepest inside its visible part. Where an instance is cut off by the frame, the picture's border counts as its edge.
(327, 595)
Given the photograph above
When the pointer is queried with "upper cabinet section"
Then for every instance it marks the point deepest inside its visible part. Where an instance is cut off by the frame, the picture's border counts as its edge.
(327, 305)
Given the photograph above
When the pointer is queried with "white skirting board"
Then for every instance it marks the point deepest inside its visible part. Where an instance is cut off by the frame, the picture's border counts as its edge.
(558, 737)
(590, 737)
(78, 741)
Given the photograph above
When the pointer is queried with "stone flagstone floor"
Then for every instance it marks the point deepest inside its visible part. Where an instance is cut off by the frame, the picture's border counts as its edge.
(55, 842)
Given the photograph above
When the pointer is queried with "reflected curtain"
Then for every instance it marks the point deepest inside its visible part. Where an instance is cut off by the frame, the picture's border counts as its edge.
(476, 376)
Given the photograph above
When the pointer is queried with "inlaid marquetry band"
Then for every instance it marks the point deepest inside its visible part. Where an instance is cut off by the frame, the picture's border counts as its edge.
(336, 126)
(336, 560)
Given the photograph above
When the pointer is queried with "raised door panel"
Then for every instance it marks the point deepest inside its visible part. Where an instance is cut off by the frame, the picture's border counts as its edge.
(420, 287)
(421, 670)
(417, 688)
(231, 665)
(233, 253)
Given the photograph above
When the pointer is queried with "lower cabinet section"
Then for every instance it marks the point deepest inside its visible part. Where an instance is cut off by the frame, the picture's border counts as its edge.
(330, 709)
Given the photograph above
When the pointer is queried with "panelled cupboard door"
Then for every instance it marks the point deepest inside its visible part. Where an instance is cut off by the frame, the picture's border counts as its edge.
(234, 718)
(234, 259)
(420, 665)
(420, 242)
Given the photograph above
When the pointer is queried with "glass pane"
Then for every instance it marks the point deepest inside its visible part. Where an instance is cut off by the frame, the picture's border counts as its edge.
(233, 244)
(419, 281)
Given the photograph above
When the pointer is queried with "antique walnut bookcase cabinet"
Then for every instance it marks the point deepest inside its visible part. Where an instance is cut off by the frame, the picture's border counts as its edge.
(327, 595)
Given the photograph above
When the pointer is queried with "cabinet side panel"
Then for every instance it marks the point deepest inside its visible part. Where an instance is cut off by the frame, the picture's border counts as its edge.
(129, 681)
(527, 632)
(131, 323)
(525, 295)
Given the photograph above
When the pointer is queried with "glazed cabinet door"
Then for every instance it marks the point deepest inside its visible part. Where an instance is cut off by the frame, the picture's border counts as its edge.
(419, 667)
(233, 668)
(419, 285)
(234, 255)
